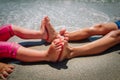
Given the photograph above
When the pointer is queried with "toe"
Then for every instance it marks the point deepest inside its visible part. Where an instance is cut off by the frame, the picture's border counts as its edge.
(5, 74)
(47, 18)
(11, 66)
(2, 77)
(9, 70)
(62, 31)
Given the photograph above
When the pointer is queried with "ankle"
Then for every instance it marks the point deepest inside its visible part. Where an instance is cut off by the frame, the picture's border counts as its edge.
(47, 56)
(71, 51)
(41, 35)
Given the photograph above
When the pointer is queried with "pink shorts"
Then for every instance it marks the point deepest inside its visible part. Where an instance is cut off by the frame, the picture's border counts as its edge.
(6, 32)
(7, 49)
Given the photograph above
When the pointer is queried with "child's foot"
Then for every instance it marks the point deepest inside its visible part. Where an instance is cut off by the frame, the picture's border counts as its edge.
(64, 33)
(66, 51)
(51, 33)
(43, 31)
(55, 50)
(5, 70)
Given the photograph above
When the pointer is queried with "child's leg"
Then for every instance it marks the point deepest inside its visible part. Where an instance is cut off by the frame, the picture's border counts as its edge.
(26, 33)
(99, 29)
(5, 70)
(30, 55)
(92, 48)
(29, 33)
(14, 50)
(7, 31)
(46, 32)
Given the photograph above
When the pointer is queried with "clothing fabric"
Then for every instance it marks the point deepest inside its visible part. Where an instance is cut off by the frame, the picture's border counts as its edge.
(6, 32)
(118, 24)
(7, 49)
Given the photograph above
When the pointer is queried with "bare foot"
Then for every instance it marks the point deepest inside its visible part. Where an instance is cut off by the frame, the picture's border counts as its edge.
(49, 33)
(43, 30)
(66, 51)
(52, 34)
(5, 70)
(54, 50)
(64, 33)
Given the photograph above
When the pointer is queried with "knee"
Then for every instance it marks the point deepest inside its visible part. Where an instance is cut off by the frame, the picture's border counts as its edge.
(99, 27)
(114, 34)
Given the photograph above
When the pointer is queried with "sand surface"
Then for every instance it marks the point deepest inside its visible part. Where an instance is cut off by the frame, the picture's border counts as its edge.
(100, 67)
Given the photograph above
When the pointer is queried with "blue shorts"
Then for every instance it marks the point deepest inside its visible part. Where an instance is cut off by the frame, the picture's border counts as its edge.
(118, 24)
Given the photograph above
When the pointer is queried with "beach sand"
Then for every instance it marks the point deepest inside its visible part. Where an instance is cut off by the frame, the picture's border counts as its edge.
(100, 67)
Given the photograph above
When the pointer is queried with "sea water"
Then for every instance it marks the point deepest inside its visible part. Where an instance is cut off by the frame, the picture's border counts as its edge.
(71, 14)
